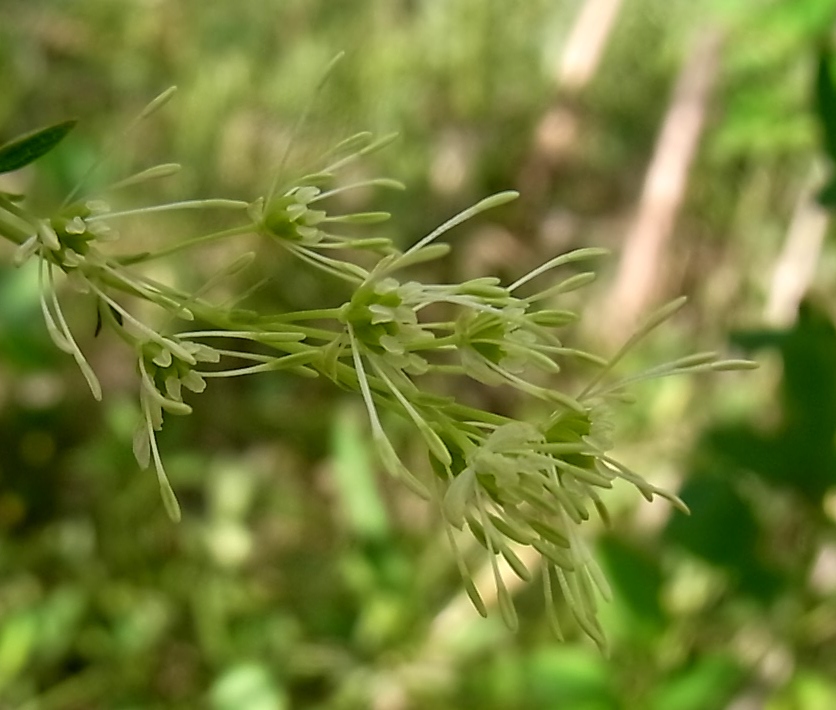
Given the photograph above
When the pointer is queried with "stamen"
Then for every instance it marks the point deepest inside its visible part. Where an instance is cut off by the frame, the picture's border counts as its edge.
(172, 507)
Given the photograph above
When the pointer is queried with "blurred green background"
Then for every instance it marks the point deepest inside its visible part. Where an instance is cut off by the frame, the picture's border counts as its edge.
(300, 576)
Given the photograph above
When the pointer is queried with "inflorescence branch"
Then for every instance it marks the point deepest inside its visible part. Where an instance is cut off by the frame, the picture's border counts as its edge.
(506, 481)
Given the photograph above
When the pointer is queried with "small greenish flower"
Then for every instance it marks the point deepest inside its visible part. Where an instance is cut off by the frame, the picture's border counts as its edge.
(65, 249)
(296, 218)
(290, 217)
(518, 484)
(383, 318)
(166, 366)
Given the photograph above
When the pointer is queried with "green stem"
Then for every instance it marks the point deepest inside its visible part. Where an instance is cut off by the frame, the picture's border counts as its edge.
(183, 246)
(11, 220)
(314, 314)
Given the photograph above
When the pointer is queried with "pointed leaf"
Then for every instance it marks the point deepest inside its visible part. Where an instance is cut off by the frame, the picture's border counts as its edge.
(28, 147)
(826, 101)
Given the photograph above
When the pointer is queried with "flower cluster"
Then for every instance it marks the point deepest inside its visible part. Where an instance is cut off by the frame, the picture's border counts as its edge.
(508, 482)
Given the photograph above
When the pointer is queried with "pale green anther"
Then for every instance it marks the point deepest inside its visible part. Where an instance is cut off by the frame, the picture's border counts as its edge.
(569, 257)
(172, 406)
(506, 604)
(565, 400)
(475, 597)
(255, 210)
(487, 288)
(153, 410)
(379, 144)
(58, 338)
(239, 264)
(102, 232)
(75, 226)
(206, 354)
(142, 447)
(176, 349)
(513, 434)
(480, 281)
(71, 260)
(588, 625)
(598, 578)
(553, 318)
(659, 316)
(352, 143)
(162, 358)
(538, 359)
(156, 104)
(557, 448)
(551, 612)
(435, 444)
(511, 530)
(381, 314)
(355, 144)
(419, 256)
(305, 194)
(488, 203)
(385, 285)
(370, 243)
(550, 533)
(172, 507)
(561, 557)
(295, 211)
(97, 207)
(89, 375)
(48, 236)
(385, 182)
(516, 564)
(587, 593)
(154, 173)
(479, 533)
(688, 361)
(391, 344)
(573, 283)
(395, 466)
(25, 250)
(172, 387)
(316, 179)
(593, 478)
(358, 218)
(458, 497)
(730, 365)
(569, 501)
(193, 381)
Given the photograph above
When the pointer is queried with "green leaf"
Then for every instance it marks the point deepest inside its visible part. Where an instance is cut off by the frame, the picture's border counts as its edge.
(827, 195)
(826, 101)
(247, 685)
(710, 682)
(356, 490)
(28, 147)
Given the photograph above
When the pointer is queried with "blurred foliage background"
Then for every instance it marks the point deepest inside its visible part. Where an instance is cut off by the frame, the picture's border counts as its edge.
(302, 578)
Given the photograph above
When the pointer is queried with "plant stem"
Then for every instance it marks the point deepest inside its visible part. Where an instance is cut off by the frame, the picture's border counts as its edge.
(183, 246)
(11, 219)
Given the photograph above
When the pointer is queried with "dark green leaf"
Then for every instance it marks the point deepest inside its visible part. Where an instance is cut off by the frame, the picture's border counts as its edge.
(28, 147)
(637, 578)
(826, 101)
(827, 195)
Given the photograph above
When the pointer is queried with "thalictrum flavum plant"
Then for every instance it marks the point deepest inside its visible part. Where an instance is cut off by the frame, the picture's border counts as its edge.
(509, 482)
